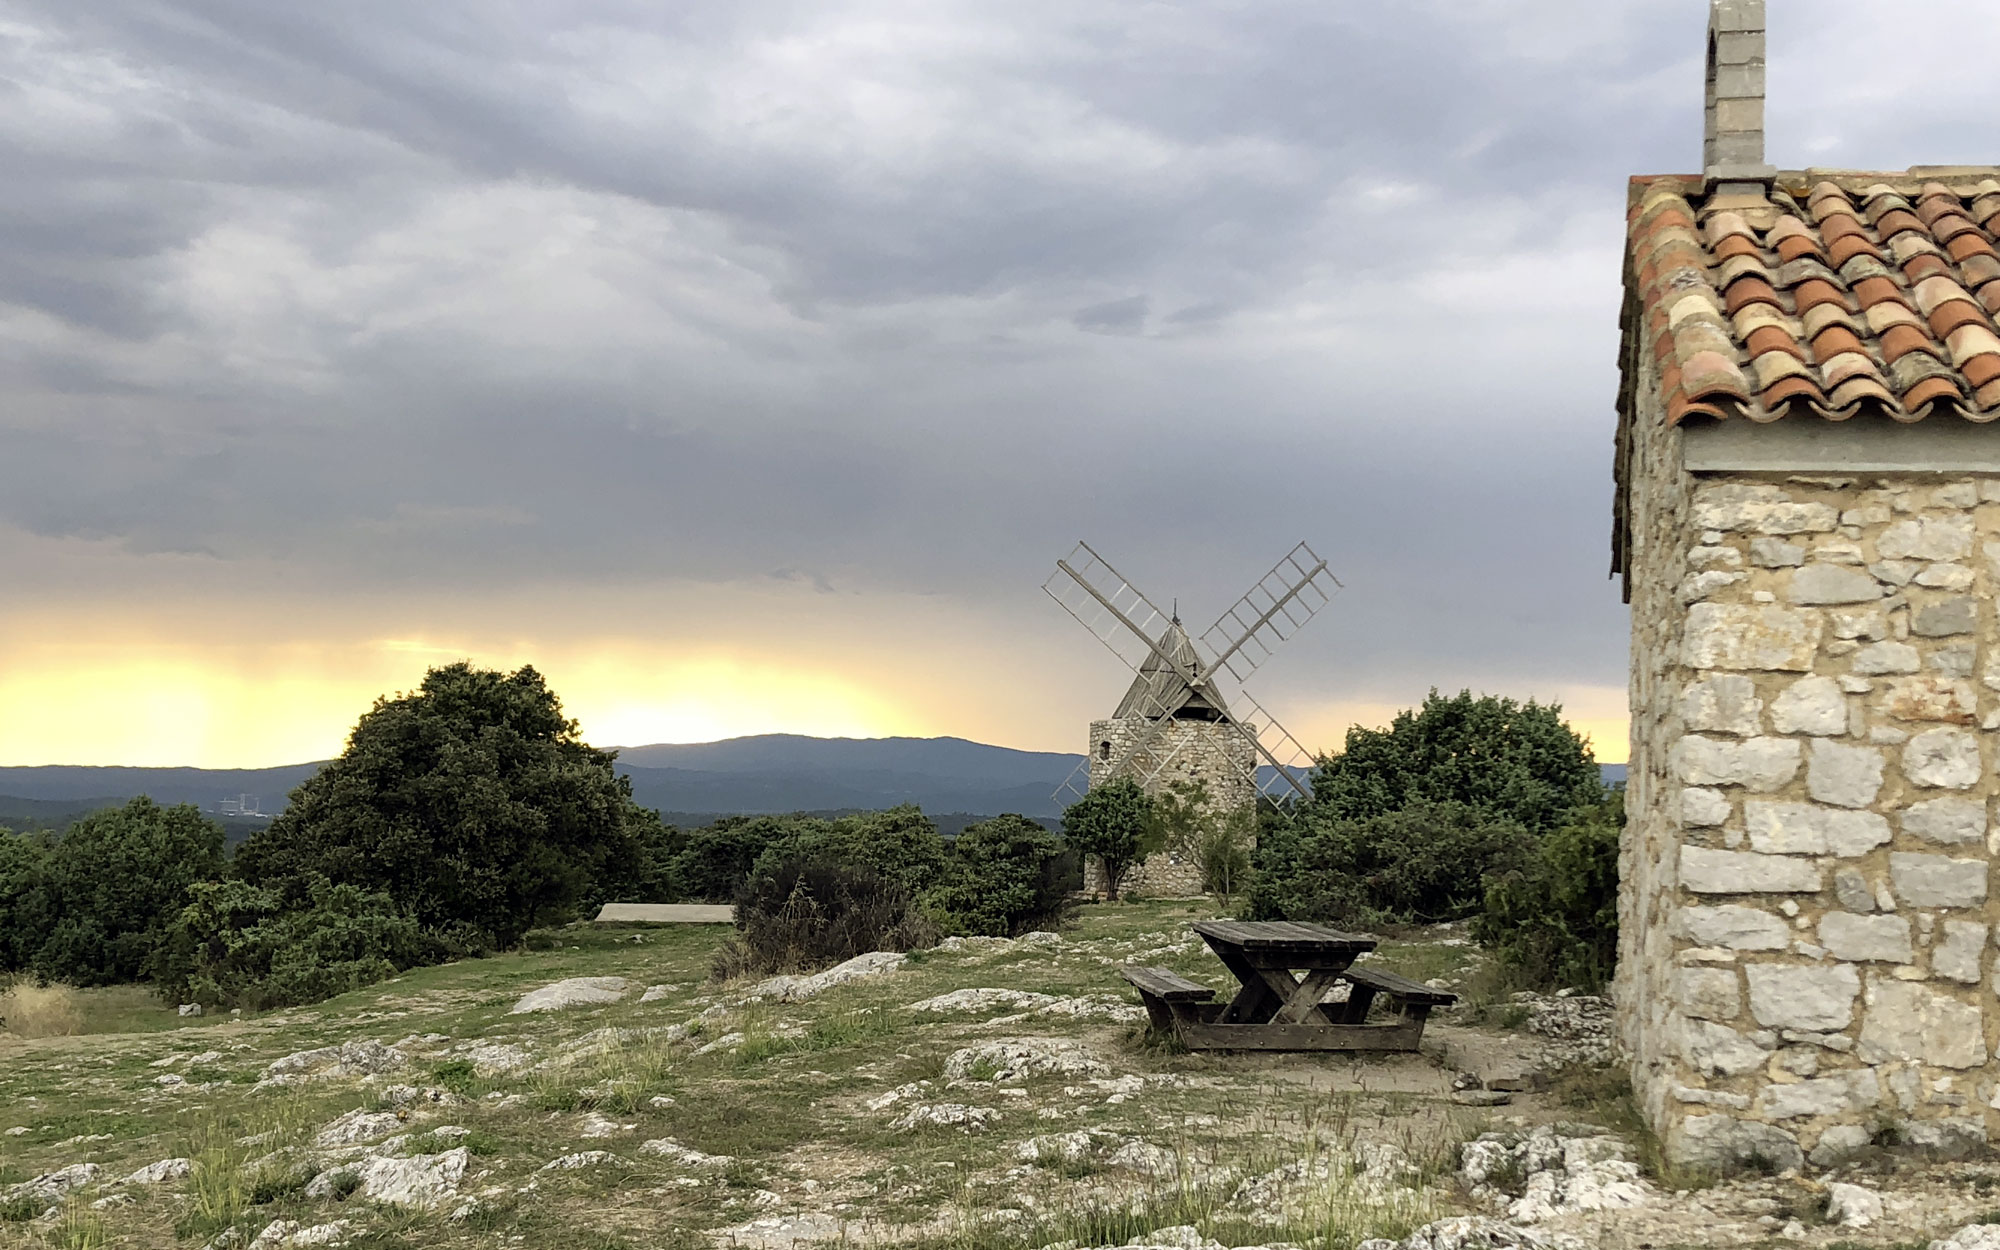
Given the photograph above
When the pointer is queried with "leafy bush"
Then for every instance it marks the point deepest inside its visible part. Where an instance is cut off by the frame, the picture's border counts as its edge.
(111, 884)
(26, 915)
(1186, 821)
(239, 945)
(710, 864)
(471, 803)
(1116, 823)
(1553, 922)
(1423, 863)
(1518, 762)
(799, 913)
(1006, 876)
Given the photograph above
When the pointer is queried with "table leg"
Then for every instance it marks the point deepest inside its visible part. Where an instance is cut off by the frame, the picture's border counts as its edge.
(1304, 1000)
(1255, 1002)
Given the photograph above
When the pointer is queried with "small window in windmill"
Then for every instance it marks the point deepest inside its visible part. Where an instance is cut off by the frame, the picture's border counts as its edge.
(1104, 750)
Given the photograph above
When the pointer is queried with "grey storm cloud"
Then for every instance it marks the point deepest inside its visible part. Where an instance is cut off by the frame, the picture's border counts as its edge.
(879, 295)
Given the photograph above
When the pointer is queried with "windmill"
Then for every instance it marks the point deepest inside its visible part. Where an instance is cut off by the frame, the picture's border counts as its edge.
(1178, 721)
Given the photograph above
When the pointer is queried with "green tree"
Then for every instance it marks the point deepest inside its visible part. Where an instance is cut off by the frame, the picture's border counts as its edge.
(1553, 921)
(471, 803)
(1114, 822)
(113, 882)
(1516, 761)
(1187, 821)
(1006, 876)
(26, 915)
(1421, 863)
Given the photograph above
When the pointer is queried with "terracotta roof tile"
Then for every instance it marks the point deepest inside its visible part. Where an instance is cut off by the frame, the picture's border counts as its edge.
(1845, 295)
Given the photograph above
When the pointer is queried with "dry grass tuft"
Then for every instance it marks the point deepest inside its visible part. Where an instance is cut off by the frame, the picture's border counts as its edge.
(30, 1010)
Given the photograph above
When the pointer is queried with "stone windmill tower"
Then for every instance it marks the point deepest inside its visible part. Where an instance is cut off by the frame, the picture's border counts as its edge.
(1805, 524)
(1176, 724)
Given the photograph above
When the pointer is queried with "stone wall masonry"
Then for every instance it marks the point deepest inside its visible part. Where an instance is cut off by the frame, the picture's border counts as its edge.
(1807, 925)
(1194, 751)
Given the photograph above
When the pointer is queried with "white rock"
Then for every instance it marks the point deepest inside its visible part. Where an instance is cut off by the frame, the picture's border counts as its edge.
(1971, 1237)
(1015, 1059)
(1726, 703)
(1832, 583)
(420, 1181)
(783, 1232)
(684, 1156)
(1880, 658)
(1817, 1000)
(573, 992)
(159, 1173)
(1845, 776)
(1909, 1021)
(350, 1059)
(1840, 1095)
(1863, 938)
(1711, 993)
(1703, 808)
(595, 1126)
(1927, 538)
(946, 1115)
(1950, 1138)
(1852, 1206)
(580, 1160)
(1750, 637)
(357, 1126)
(654, 993)
(795, 989)
(1755, 507)
(1736, 927)
(1725, 1141)
(497, 1058)
(1936, 880)
(1946, 758)
(1743, 872)
(1957, 957)
(287, 1234)
(1840, 1143)
(1760, 764)
(50, 1187)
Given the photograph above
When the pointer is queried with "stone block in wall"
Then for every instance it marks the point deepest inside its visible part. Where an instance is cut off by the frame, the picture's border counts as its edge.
(1713, 1049)
(1708, 993)
(1939, 698)
(1943, 758)
(1760, 764)
(1724, 704)
(1723, 1141)
(1879, 659)
(1829, 584)
(1926, 538)
(1850, 890)
(1947, 619)
(1703, 808)
(1809, 999)
(1745, 872)
(1846, 776)
(1778, 828)
(1911, 1021)
(1949, 821)
(1749, 636)
(1957, 957)
(1861, 939)
(1735, 927)
(1841, 1095)
(1936, 880)
(1811, 705)
(1759, 508)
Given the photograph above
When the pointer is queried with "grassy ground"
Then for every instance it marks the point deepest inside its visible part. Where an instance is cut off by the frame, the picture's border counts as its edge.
(787, 1103)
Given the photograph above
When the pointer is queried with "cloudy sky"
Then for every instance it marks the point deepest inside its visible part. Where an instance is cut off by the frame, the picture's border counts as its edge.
(746, 366)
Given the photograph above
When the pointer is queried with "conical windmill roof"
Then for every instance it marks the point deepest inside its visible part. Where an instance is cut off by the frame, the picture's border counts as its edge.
(1158, 687)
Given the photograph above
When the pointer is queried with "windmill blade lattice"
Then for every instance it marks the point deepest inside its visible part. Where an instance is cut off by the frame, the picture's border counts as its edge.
(1277, 607)
(1282, 752)
(1115, 612)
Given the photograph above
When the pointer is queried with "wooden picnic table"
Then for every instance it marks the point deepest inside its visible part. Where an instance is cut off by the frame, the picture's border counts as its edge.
(1278, 1010)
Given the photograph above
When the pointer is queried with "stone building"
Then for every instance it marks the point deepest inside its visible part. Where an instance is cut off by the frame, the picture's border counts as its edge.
(1808, 529)
(1192, 743)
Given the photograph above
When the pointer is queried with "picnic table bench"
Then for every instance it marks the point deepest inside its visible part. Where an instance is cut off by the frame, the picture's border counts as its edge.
(1278, 1010)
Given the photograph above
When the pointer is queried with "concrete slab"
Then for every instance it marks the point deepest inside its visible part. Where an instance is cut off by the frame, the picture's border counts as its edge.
(666, 913)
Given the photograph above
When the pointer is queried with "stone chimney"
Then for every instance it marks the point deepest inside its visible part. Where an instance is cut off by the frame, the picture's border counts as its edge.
(1733, 141)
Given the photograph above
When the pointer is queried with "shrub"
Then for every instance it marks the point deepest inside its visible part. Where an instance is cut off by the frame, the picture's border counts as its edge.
(1115, 822)
(113, 882)
(1518, 762)
(1187, 822)
(472, 803)
(797, 913)
(26, 914)
(1420, 864)
(1553, 922)
(1006, 876)
(238, 945)
(29, 1010)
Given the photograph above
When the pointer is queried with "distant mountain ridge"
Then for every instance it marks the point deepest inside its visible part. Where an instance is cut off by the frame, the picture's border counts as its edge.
(753, 775)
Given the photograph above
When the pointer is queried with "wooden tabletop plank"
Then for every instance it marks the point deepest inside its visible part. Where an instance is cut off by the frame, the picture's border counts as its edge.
(1262, 933)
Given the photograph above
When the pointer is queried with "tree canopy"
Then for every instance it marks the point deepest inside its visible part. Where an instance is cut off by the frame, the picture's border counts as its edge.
(1514, 761)
(471, 802)
(1114, 822)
